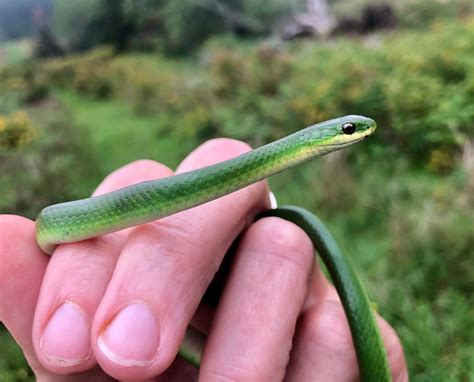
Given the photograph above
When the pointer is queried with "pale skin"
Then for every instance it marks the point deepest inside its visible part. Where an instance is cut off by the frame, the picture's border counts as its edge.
(117, 306)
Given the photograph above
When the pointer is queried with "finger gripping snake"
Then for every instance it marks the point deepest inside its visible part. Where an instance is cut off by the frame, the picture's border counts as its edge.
(144, 202)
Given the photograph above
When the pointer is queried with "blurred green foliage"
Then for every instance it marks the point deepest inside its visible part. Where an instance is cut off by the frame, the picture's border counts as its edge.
(13, 367)
(166, 25)
(12, 52)
(400, 204)
(15, 130)
(45, 153)
(71, 20)
(182, 26)
(412, 14)
(280, 88)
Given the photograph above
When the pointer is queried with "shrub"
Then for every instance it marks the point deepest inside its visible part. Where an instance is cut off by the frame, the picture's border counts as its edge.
(16, 131)
(419, 87)
(400, 203)
(39, 165)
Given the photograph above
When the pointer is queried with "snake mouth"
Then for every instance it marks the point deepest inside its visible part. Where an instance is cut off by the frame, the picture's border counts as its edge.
(347, 144)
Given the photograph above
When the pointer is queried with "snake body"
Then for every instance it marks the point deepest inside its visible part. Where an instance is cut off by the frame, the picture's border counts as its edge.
(148, 201)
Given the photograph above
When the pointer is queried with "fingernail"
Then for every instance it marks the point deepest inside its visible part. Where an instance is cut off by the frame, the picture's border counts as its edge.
(273, 200)
(132, 338)
(66, 340)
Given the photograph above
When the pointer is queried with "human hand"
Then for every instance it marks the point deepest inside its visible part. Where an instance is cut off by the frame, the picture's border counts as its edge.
(118, 305)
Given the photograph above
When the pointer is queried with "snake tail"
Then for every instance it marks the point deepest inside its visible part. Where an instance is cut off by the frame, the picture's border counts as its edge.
(370, 351)
(368, 344)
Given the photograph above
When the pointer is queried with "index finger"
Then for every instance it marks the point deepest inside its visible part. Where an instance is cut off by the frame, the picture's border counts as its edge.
(163, 271)
(74, 283)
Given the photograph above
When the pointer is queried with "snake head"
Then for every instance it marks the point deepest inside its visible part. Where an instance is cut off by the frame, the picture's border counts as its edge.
(345, 131)
(358, 125)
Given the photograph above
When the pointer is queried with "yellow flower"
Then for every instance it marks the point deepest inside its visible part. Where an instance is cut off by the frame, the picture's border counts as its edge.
(3, 123)
(20, 118)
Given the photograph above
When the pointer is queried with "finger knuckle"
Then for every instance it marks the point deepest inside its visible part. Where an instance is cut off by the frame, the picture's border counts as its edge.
(173, 238)
(285, 243)
(226, 373)
(325, 328)
(12, 236)
(240, 369)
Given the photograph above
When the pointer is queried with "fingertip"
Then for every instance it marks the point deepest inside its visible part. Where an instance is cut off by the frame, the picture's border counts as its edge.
(324, 335)
(288, 242)
(14, 225)
(138, 171)
(224, 146)
(142, 168)
(323, 348)
(394, 348)
(213, 151)
(252, 199)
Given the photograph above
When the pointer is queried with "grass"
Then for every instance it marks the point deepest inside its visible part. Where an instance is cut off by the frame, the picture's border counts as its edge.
(370, 212)
(406, 255)
(13, 367)
(14, 52)
(119, 136)
(400, 204)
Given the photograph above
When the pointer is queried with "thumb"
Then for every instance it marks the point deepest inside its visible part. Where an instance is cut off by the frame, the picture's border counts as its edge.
(22, 267)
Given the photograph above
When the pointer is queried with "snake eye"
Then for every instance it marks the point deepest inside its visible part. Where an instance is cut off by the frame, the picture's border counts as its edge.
(348, 128)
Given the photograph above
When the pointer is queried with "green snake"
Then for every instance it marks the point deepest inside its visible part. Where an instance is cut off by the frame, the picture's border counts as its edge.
(148, 201)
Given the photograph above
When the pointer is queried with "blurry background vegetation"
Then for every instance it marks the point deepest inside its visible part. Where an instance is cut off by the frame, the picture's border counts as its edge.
(88, 86)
